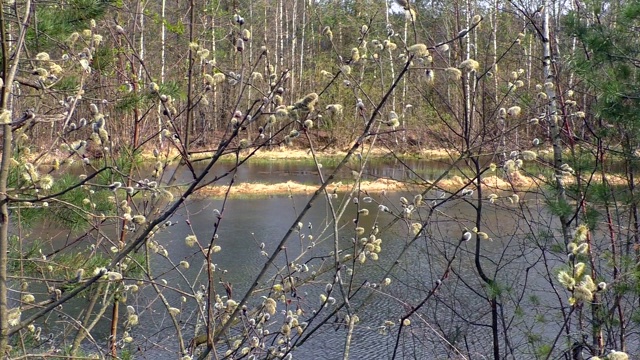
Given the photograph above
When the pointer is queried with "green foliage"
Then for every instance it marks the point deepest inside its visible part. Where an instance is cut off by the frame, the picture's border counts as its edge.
(14, 175)
(69, 261)
(70, 211)
(557, 248)
(173, 89)
(583, 161)
(131, 100)
(559, 207)
(103, 59)
(533, 337)
(609, 67)
(28, 215)
(178, 28)
(67, 83)
(540, 319)
(591, 217)
(635, 317)
(136, 264)
(126, 354)
(70, 215)
(58, 21)
(118, 166)
(543, 351)
(494, 289)
(599, 192)
(543, 237)
(519, 312)
(631, 11)
(29, 251)
(27, 340)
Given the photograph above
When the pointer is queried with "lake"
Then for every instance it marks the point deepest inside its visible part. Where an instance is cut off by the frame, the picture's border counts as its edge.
(457, 315)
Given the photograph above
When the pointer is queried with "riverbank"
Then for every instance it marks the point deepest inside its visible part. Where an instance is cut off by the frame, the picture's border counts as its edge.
(286, 171)
(306, 155)
(379, 186)
(516, 183)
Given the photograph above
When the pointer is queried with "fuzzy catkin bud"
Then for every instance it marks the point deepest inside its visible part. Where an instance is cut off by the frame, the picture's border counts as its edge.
(114, 276)
(246, 34)
(43, 56)
(418, 49)
(430, 76)
(327, 32)
(202, 54)
(469, 65)
(240, 45)
(308, 124)
(528, 155)
(174, 311)
(139, 219)
(453, 73)
(5, 117)
(514, 111)
(191, 240)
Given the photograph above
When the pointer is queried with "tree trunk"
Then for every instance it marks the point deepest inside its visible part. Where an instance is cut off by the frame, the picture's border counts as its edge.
(9, 68)
(186, 137)
(553, 118)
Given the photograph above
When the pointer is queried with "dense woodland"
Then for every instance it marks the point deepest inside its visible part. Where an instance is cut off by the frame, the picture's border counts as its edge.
(535, 104)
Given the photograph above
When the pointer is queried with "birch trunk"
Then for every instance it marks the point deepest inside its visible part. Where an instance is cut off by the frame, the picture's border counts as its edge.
(142, 5)
(292, 35)
(304, 26)
(553, 119)
(214, 60)
(162, 41)
(186, 137)
(163, 38)
(280, 60)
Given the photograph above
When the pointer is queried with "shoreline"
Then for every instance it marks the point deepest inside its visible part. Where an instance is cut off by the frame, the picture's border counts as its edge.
(287, 154)
(516, 182)
(454, 183)
(305, 154)
(492, 184)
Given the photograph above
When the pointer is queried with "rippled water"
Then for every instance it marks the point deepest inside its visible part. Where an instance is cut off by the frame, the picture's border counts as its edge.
(248, 222)
(303, 171)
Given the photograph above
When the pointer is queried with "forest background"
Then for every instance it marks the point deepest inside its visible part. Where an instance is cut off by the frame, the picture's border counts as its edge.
(533, 106)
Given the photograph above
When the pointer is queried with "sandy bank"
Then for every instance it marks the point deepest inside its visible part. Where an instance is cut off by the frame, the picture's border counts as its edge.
(305, 154)
(453, 184)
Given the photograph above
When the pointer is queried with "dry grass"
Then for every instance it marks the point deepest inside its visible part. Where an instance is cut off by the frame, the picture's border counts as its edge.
(518, 182)
(292, 187)
(285, 153)
(515, 182)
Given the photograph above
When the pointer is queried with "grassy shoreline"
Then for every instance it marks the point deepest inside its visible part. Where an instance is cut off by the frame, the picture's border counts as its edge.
(379, 186)
(305, 154)
(494, 182)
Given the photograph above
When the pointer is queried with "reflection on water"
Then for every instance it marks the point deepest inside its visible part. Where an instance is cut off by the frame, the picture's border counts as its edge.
(278, 171)
(450, 318)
